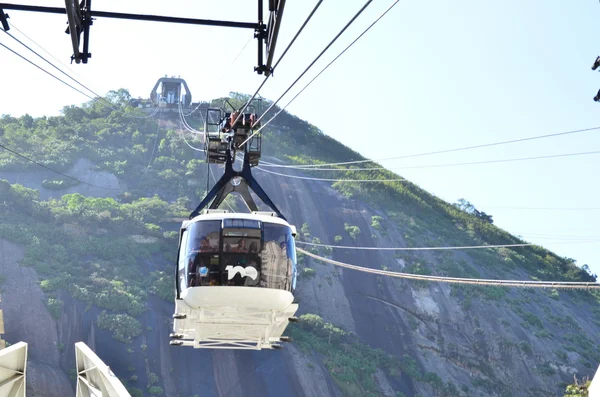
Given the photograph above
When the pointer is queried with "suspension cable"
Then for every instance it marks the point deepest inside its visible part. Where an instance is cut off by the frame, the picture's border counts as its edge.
(428, 166)
(449, 165)
(278, 61)
(47, 72)
(327, 179)
(457, 280)
(467, 247)
(101, 100)
(236, 58)
(155, 142)
(13, 26)
(189, 145)
(186, 124)
(306, 70)
(545, 208)
(325, 68)
(441, 151)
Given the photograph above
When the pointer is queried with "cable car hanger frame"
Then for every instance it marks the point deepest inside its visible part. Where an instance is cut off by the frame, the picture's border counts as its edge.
(81, 18)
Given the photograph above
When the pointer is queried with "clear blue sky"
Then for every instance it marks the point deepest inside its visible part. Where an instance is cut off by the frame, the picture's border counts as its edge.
(431, 75)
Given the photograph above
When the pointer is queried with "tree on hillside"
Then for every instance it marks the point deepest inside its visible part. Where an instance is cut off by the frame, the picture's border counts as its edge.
(120, 97)
(578, 389)
(465, 205)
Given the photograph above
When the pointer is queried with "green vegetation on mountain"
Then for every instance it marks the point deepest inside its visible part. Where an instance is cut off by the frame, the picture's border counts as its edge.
(578, 388)
(111, 253)
(87, 246)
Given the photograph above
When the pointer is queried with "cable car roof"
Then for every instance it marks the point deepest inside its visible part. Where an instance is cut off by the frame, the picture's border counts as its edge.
(267, 217)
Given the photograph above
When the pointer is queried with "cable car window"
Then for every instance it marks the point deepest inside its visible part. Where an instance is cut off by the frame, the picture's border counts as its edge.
(241, 246)
(205, 236)
(203, 253)
(181, 269)
(241, 224)
(278, 257)
(241, 236)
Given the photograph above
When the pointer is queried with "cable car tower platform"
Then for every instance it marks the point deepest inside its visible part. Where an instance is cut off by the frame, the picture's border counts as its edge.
(81, 16)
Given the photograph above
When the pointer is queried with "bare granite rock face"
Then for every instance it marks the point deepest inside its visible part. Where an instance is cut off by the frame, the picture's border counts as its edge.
(98, 183)
(27, 319)
(513, 342)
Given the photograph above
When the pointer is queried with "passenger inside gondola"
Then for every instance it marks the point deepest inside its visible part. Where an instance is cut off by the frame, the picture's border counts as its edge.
(253, 248)
(251, 254)
(241, 246)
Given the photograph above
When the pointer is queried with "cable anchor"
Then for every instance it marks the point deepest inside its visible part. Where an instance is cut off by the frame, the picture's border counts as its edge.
(3, 20)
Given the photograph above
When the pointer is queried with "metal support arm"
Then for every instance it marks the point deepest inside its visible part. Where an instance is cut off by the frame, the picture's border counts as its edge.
(223, 187)
(4, 21)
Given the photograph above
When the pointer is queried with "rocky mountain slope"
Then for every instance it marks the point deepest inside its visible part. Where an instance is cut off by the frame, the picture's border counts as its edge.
(363, 335)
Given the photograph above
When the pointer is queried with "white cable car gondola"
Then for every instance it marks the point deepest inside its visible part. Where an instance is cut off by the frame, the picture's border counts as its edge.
(236, 272)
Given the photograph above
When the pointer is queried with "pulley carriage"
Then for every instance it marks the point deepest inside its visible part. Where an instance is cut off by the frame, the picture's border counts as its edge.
(236, 272)
(221, 128)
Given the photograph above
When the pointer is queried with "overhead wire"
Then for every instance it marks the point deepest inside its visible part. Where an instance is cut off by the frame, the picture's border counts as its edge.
(305, 71)
(308, 178)
(437, 151)
(241, 112)
(451, 164)
(560, 240)
(47, 72)
(426, 166)
(326, 67)
(154, 112)
(306, 166)
(545, 208)
(12, 25)
(155, 141)
(433, 248)
(224, 73)
(457, 280)
(101, 100)
(183, 123)
(236, 58)
(555, 236)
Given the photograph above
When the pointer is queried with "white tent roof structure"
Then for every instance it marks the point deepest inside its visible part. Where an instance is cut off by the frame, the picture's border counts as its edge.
(94, 378)
(594, 390)
(13, 363)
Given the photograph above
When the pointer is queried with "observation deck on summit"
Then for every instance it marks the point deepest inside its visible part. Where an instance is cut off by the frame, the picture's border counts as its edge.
(168, 93)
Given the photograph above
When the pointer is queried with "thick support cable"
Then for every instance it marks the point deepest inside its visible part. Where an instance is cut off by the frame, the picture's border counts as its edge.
(47, 72)
(552, 156)
(311, 64)
(186, 125)
(416, 248)
(101, 100)
(307, 178)
(322, 70)
(459, 149)
(326, 67)
(456, 280)
(278, 61)
(458, 248)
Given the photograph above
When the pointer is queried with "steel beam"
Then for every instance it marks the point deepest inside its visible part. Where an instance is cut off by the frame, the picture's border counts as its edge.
(136, 17)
